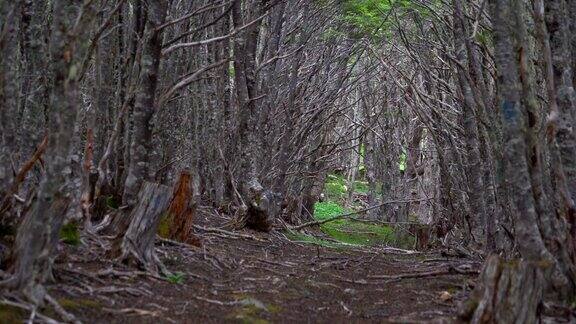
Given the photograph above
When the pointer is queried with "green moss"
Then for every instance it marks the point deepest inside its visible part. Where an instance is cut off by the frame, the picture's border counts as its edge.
(335, 187)
(164, 226)
(70, 234)
(250, 311)
(361, 187)
(79, 303)
(328, 209)
(11, 314)
(350, 231)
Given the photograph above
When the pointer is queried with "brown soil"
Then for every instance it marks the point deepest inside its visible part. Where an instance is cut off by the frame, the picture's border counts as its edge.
(270, 279)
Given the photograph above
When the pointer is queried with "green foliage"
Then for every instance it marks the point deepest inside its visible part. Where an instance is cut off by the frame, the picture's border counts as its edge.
(112, 202)
(368, 17)
(351, 231)
(371, 18)
(176, 278)
(70, 234)
(402, 161)
(348, 232)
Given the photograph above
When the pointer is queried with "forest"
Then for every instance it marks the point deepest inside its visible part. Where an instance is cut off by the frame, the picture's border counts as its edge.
(286, 161)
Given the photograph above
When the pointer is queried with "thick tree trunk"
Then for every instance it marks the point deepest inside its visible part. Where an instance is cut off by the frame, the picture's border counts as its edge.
(144, 107)
(507, 292)
(8, 90)
(511, 294)
(38, 234)
(256, 212)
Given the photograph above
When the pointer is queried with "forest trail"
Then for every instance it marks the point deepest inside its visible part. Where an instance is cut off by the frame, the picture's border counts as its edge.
(263, 278)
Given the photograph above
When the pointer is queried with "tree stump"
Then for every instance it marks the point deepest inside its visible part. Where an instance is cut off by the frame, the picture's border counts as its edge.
(177, 223)
(506, 292)
(137, 244)
(262, 207)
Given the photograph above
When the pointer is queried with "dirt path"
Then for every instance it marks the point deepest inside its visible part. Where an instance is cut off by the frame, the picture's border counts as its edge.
(270, 279)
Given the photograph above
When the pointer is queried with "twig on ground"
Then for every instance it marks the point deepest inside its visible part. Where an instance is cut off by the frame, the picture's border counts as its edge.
(217, 302)
(448, 271)
(232, 234)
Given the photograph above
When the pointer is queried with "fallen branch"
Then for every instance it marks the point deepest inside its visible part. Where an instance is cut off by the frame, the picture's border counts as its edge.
(447, 271)
(221, 231)
(68, 317)
(347, 215)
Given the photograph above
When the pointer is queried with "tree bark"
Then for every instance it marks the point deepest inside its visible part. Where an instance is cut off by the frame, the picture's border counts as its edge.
(38, 234)
(137, 245)
(177, 224)
(144, 107)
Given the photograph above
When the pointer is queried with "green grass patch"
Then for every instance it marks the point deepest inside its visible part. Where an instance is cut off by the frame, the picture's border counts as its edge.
(176, 278)
(327, 209)
(351, 232)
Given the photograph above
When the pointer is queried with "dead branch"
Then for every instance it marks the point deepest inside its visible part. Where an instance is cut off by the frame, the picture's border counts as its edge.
(347, 215)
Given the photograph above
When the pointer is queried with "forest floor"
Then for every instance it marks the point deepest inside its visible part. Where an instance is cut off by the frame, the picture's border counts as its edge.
(250, 277)
(342, 271)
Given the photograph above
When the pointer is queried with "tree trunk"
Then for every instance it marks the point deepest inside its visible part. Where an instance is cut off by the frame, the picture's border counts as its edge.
(144, 107)
(518, 290)
(507, 292)
(256, 212)
(38, 234)
(474, 175)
